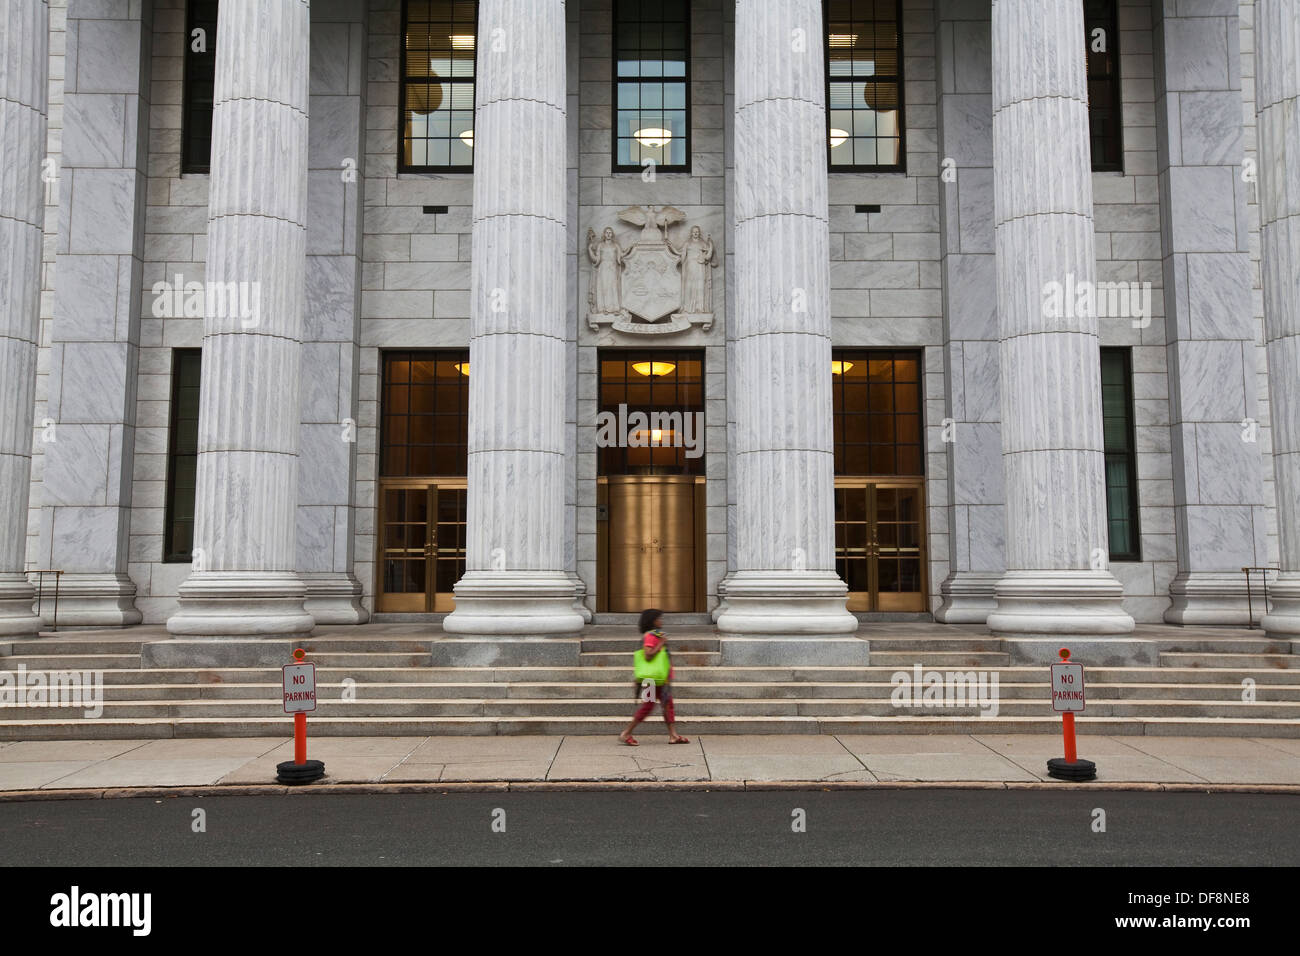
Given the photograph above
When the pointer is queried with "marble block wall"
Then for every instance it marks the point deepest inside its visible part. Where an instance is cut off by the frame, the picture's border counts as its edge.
(700, 194)
(415, 276)
(1218, 488)
(328, 436)
(1126, 223)
(970, 327)
(86, 505)
(886, 279)
(175, 243)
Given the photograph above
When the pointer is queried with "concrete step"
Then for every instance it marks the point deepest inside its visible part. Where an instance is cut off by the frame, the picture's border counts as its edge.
(1224, 645)
(931, 659)
(67, 728)
(92, 662)
(504, 708)
(1259, 661)
(624, 659)
(858, 690)
(51, 646)
(622, 671)
(627, 645)
(979, 645)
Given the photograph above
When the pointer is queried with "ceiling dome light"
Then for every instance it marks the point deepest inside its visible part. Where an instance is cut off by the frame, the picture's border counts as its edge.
(839, 368)
(462, 367)
(653, 136)
(467, 138)
(838, 137)
(653, 368)
(424, 98)
(881, 97)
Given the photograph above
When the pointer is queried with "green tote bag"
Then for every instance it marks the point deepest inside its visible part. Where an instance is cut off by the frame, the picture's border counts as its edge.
(655, 669)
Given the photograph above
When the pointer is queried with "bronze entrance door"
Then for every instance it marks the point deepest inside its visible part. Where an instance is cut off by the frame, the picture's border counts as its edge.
(880, 543)
(421, 545)
(650, 541)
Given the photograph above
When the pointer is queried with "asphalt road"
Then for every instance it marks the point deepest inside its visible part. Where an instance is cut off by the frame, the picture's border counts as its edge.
(636, 828)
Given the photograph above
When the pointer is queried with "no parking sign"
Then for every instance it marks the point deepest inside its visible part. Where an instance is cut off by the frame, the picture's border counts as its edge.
(1067, 687)
(299, 688)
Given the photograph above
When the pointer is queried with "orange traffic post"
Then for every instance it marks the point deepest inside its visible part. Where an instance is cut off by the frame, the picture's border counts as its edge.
(1067, 698)
(299, 699)
(1071, 754)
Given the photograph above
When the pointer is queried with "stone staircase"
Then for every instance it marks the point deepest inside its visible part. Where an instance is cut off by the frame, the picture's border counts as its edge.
(381, 681)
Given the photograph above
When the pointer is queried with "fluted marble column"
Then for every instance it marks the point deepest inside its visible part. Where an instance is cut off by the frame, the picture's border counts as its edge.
(784, 579)
(24, 62)
(244, 581)
(1052, 451)
(1277, 86)
(515, 580)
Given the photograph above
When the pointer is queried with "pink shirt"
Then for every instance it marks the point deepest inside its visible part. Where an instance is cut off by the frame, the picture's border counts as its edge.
(655, 639)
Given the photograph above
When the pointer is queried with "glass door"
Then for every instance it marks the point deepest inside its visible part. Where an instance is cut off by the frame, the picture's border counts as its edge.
(422, 545)
(879, 543)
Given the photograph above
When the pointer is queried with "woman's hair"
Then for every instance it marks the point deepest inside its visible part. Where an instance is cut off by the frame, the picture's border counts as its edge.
(648, 618)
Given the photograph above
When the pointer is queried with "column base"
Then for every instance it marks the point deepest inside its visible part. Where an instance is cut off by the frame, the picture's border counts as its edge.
(17, 619)
(91, 600)
(334, 598)
(1091, 651)
(1212, 597)
(785, 602)
(242, 604)
(580, 597)
(1050, 603)
(721, 607)
(968, 597)
(806, 650)
(1284, 619)
(514, 602)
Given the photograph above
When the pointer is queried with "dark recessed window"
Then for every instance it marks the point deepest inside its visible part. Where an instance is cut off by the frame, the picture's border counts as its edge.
(425, 409)
(182, 457)
(1105, 117)
(651, 413)
(1121, 454)
(200, 74)
(652, 122)
(437, 95)
(876, 396)
(864, 85)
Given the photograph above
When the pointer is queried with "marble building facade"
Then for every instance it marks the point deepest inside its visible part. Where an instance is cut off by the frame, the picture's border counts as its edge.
(945, 258)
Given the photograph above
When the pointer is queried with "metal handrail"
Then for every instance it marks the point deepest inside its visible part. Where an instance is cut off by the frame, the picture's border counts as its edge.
(1250, 607)
(40, 591)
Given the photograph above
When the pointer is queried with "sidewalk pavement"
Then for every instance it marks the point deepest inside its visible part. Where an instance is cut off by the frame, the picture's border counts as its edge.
(974, 759)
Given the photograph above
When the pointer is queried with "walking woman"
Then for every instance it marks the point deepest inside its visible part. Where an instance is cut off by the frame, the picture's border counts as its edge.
(651, 666)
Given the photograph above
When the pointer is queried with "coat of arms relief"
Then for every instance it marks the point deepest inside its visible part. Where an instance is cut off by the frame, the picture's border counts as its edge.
(653, 286)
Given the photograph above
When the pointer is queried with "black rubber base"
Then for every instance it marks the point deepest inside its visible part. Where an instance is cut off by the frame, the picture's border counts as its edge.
(293, 773)
(1079, 770)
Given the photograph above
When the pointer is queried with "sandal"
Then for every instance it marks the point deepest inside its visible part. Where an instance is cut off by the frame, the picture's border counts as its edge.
(680, 740)
(629, 740)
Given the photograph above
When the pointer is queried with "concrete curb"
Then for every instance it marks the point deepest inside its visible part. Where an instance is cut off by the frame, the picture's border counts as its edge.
(534, 786)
